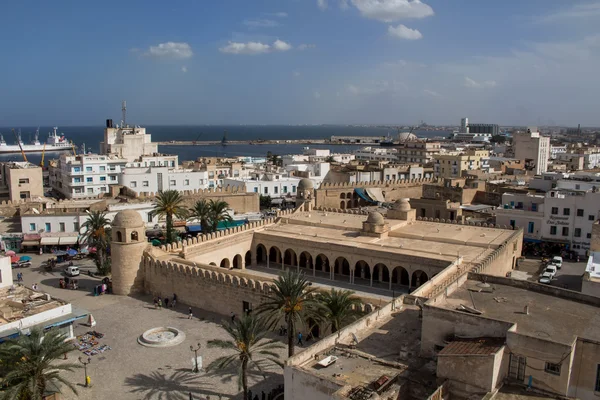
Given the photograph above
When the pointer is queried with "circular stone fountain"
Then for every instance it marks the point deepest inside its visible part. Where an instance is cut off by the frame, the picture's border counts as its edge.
(161, 337)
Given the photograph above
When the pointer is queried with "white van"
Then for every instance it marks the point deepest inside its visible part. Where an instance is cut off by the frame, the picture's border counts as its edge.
(72, 271)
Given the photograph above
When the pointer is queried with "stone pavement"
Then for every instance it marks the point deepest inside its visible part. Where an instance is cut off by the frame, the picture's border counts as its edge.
(131, 371)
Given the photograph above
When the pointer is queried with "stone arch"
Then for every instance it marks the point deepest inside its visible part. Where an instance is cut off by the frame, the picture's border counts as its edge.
(362, 270)
(305, 260)
(213, 264)
(261, 253)
(322, 263)
(119, 236)
(290, 258)
(341, 267)
(381, 273)
(418, 278)
(248, 258)
(342, 204)
(400, 276)
(134, 236)
(237, 261)
(225, 263)
(275, 254)
(343, 196)
(349, 204)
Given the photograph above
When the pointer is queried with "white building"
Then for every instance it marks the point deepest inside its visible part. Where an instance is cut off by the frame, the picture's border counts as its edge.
(316, 155)
(560, 216)
(128, 142)
(386, 154)
(315, 171)
(555, 150)
(266, 184)
(533, 148)
(82, 176)
(155, 179)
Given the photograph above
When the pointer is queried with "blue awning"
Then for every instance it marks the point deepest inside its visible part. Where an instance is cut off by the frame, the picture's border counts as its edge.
(363, 195)
(531, 240)
(194, 228)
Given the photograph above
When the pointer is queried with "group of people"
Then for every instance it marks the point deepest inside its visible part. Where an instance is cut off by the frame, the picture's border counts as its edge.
(67, 283)
(158, 302)
(19, 277)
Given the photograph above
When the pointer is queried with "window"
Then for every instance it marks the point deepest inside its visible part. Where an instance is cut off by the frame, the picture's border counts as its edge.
(565, 231)
(566, 211)
(102, 168)
(597, 387)
(554, 210)
(103, 189)
(275, 189)
(591, 218)
(552, 368)
(285, 189)
(90, 190)
(577, 232)
(61, 226)
(89, 179)
(23, 181)
(145, 183)
(173, 182)
(534, 207)
(580, 212)
(113, 178)
(149, 217)
(186, 182)
(589, 236)
(293, 189)
(512, 223)
(76, 226)
(88, 169)
(133, 184)
(32, 227)
(255, 190)
(76, 169)
(77, 180)
(553, 230)
(266, 190)
(102, 179)
(48, 227)
(530, 227)
(134, 236)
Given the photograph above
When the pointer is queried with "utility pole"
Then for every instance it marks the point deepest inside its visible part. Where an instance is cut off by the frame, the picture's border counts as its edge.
(195, 350)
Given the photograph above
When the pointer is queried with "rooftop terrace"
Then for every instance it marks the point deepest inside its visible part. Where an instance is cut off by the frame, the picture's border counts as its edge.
(21, 302)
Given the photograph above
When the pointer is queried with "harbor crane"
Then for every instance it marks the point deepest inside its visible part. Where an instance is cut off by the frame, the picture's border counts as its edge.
(18, 137)
(195, 142)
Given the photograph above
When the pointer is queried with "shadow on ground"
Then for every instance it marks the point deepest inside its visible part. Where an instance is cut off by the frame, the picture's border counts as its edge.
(170, 385)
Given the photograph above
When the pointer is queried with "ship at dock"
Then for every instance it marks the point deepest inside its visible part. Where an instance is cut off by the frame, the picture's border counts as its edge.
(54, 142)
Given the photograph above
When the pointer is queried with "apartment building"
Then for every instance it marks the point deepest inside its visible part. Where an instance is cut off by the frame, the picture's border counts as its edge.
(128, 142)
(20, 181)
(274, 184)
(452, 165)
(420, 152)
(532, 147)
(369, 153)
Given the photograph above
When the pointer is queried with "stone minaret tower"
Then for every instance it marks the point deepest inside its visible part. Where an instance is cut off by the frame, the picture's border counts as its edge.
(127, 247)
(305, 193)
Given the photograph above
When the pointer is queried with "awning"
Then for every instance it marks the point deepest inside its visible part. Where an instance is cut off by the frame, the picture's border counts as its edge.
(531, 240)
(194, 228)
(361, 193)
(277, 201)
(30, 243)
(49, 241)
(68, 240)
(64, 319)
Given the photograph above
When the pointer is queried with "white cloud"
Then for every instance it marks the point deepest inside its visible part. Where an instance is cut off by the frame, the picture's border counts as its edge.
(172, 50)
(254, 48)
(470, 83)
(305, 46)
(392, 10)
(322, 4)
(577, 11)
(184, 69)
(261, 23)
(317, 94)
(280, 45)
(296, 74)
(280, 14)
(432, 93)
(403, 32)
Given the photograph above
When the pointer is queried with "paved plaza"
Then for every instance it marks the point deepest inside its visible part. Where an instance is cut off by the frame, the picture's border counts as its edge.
(131, 371)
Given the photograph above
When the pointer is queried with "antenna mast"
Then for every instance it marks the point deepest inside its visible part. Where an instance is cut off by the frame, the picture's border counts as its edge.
(124, 110)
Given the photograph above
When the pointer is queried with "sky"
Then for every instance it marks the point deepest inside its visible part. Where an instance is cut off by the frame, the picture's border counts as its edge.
(186, 62)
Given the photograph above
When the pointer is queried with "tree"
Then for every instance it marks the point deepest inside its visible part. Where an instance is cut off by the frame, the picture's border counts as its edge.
(498, 139)
(97, 232)
(169, 204)
(274, 159)
(28, 364)
(339, 308)
(265, 201)
(293, 299)
(329, 159)
(248, 341)
(218, 213)
(201, 212)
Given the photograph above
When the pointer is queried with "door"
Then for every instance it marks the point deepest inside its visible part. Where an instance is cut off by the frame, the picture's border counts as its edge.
(160, 182)
(516, 369)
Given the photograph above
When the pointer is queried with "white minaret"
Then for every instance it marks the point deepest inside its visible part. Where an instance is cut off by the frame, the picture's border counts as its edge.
(464, 125)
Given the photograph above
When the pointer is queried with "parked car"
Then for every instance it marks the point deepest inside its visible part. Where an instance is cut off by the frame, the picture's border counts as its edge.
(545, 279)
(72, 271)
(21, 264)
(550, 270)
(557, 260)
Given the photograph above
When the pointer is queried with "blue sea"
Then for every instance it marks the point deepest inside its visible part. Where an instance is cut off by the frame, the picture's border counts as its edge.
(93, 135)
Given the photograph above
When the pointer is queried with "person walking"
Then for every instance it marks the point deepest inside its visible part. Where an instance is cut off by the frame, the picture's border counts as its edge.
(155, 303)
(174, 300)
(159, 303)
(232, 317)
(190, 313)
(166, 302)
(299, 338)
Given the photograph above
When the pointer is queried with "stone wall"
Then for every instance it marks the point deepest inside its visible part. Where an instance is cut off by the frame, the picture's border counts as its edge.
(452, 193)
(331, 194)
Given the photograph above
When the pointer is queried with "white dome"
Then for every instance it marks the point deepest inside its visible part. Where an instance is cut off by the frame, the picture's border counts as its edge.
(406, 137)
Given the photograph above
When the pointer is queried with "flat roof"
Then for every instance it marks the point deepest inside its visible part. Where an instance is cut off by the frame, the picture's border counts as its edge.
(473, 347)
(593, 265)
(23, 302)
(550, 317)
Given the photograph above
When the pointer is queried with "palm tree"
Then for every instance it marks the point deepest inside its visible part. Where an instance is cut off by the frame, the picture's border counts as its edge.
(291, 298)
(218, 213)
(169, 204)
(248, 341)
(339, 308)
(29, 363)
(201, 212)
(96, 231)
